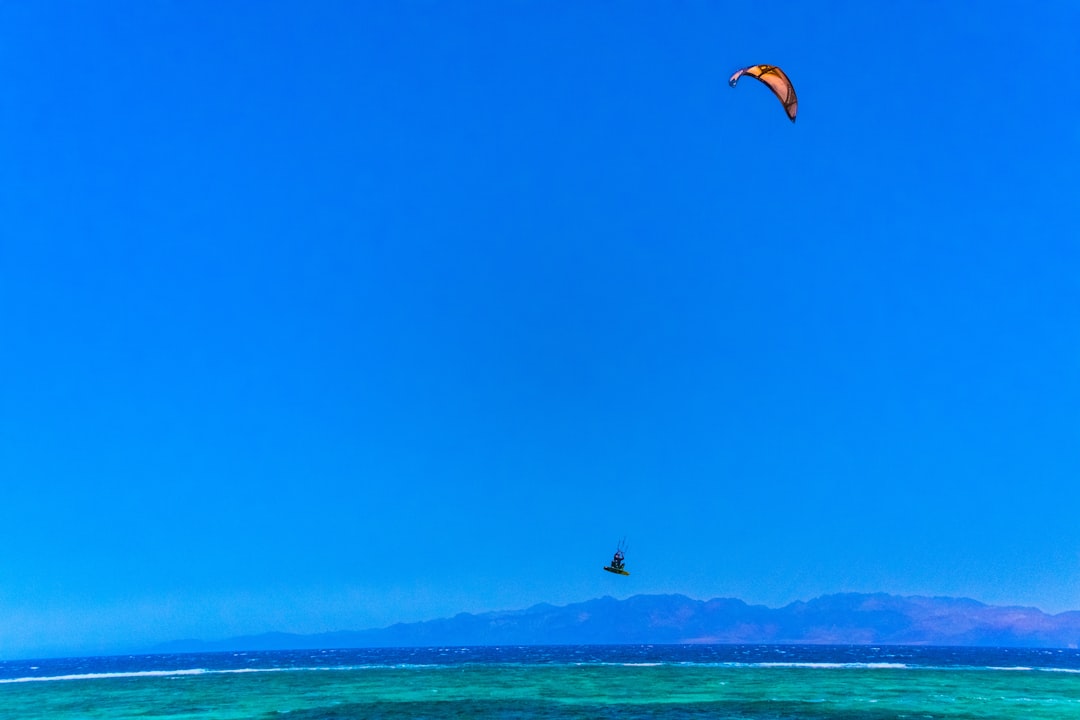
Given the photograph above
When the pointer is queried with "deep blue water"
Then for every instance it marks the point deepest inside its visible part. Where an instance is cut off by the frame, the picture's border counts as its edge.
(936, 657)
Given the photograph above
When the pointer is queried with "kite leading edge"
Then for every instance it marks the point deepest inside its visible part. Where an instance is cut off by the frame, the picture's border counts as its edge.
(776, 81)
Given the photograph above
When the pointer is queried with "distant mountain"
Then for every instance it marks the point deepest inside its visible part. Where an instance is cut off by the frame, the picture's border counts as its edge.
(845, 619)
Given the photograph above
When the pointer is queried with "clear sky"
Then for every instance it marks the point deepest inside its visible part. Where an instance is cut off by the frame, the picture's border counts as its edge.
(321, 316)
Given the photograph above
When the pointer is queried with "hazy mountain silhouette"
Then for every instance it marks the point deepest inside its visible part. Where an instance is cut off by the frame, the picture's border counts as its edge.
(845, 619)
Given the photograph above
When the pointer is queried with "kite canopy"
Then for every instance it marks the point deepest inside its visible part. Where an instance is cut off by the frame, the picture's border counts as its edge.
(777, 81)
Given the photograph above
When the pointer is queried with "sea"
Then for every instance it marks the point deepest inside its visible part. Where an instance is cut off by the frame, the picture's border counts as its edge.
(658, 682)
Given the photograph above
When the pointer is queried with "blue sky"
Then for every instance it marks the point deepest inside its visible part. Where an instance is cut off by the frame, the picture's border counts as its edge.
(328, 317)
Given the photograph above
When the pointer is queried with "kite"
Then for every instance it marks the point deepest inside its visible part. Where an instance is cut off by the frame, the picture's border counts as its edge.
(777, 81)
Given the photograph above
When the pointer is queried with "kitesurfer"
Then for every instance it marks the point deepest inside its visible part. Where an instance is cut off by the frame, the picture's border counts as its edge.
(617, 565)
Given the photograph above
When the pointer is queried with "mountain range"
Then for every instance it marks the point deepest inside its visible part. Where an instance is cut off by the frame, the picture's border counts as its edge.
(843, 619)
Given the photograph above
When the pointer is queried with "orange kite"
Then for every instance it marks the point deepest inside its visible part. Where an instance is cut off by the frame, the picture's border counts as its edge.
(777, 81)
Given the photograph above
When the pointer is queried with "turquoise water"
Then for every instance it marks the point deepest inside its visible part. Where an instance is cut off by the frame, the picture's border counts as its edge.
(556, 687)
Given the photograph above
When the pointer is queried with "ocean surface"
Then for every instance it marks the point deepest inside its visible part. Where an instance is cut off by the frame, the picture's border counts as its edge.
(659, 682)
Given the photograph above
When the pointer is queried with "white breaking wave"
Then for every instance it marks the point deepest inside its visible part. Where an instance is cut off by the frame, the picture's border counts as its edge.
(137, 674)
(205, 671)
(829, 665)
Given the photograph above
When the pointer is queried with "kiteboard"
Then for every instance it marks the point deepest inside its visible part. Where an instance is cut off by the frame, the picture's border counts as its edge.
(617, 571)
